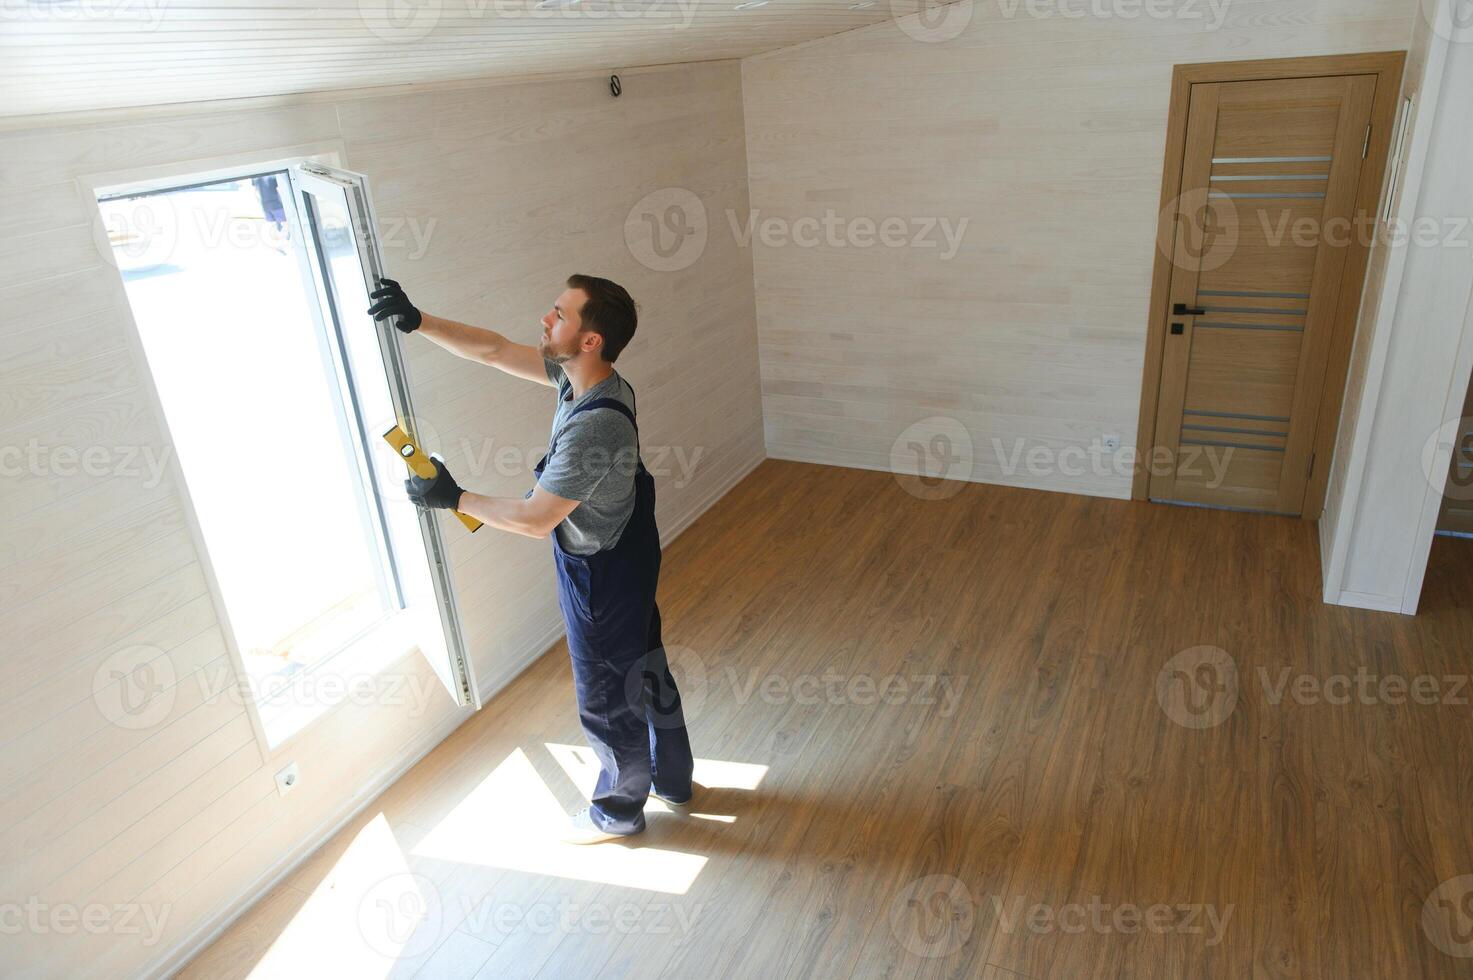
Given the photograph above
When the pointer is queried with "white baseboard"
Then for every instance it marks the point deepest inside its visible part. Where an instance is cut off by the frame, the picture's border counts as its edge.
(177, 956)
(1367, 600)
(843, 461)
(1330, 573)
(692, 514)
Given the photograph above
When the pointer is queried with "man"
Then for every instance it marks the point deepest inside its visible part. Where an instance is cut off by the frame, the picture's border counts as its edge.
(597, 502)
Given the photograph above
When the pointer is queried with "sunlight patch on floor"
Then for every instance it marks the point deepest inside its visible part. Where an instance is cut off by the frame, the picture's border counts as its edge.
(359, 920)
(512, 820)
(581, 765)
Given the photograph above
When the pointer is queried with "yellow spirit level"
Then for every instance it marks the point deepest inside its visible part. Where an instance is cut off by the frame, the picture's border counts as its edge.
(421, 466)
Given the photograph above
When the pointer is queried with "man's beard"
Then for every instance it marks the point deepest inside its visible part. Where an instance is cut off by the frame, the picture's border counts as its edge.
(545, 348)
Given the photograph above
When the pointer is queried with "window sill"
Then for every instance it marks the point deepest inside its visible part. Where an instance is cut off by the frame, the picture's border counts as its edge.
(359, 673)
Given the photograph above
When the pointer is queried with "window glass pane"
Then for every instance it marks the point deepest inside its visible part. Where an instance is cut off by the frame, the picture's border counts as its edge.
(349, 293)
(216, 278)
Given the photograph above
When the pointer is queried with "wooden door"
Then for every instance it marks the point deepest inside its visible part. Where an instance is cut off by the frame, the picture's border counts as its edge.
(1457, 498)
(1266, 218)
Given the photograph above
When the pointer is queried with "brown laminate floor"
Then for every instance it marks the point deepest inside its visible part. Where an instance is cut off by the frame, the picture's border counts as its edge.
(1004, 734)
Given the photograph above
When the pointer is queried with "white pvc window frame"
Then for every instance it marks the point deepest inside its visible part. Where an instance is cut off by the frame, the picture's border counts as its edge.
(324, 159)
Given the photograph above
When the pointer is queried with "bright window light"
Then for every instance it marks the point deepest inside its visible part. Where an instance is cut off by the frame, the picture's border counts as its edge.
(267, 432)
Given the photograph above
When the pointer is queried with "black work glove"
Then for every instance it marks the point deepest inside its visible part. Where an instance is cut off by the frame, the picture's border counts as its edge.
(393, 302)
(442, 491)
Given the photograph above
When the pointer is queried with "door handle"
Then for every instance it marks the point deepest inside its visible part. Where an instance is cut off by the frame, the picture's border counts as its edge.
(1181, 309)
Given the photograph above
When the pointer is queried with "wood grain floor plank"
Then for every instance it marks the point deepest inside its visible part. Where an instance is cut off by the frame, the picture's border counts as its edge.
(1064, 745)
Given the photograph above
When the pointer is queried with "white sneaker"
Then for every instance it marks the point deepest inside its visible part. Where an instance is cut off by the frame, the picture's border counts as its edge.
(582, 830)
(669, 802)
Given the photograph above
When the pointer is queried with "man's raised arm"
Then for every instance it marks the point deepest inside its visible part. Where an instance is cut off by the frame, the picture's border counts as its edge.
(472, 343)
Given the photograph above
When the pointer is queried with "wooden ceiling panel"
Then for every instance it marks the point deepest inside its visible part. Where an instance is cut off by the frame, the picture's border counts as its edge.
(65, 55)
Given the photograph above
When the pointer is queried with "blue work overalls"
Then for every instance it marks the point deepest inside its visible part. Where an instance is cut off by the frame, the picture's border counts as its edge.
(627, 700)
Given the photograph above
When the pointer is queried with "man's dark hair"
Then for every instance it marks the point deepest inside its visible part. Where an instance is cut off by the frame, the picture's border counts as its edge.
(609, 312)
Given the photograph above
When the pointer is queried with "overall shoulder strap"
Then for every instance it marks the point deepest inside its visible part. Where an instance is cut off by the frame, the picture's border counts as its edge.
(613, 403)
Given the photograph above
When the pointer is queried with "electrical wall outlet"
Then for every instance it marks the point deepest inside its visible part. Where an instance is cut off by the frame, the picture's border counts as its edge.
(287, 779)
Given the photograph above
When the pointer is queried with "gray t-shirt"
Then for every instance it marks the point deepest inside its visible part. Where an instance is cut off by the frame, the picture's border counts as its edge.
(597, 455)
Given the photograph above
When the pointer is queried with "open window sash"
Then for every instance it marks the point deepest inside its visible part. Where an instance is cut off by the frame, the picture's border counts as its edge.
(346, 261)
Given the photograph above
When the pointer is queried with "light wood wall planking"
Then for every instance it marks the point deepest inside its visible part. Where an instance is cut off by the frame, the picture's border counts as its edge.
(1045, 135)
(517, 185)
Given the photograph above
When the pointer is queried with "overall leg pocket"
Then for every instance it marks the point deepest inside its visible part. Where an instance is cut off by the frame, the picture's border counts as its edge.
(575, 585)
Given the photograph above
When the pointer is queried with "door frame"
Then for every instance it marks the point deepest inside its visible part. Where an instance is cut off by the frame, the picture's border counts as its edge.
(1388, 67)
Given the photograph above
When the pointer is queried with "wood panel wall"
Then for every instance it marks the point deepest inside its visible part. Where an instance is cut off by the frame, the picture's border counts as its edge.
(1046, 135)
(525, 183)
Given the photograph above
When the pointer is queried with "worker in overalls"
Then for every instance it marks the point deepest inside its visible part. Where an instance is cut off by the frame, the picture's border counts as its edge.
(597, 502)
